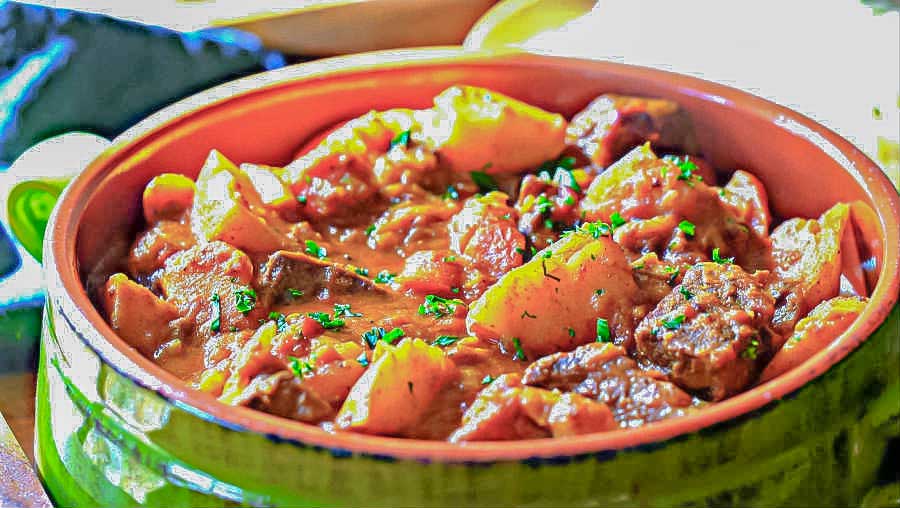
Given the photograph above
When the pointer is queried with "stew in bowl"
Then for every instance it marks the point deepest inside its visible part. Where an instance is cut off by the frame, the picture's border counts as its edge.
(483, 269)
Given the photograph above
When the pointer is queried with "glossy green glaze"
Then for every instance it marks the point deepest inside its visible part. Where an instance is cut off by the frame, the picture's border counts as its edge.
(100, 433)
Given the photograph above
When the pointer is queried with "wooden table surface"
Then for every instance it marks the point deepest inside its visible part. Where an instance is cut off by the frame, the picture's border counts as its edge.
(17, 406)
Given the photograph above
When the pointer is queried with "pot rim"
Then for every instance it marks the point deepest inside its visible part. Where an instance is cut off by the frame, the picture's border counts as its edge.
(68, 296)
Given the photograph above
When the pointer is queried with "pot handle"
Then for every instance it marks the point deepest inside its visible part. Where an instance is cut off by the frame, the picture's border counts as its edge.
(37, 178)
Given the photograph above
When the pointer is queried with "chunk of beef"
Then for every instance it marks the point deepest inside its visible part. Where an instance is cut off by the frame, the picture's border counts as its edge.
(207, 282)
(507, 410)
(612, 125)
(283, 394)
(711, 334)
(666, 208)
(151, 249)
(603, 372)
(137, 315)
(285, 270)
(485, 236)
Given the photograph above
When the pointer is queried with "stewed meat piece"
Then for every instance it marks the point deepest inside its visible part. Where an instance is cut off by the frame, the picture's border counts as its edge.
(711, 334)
(604, 372)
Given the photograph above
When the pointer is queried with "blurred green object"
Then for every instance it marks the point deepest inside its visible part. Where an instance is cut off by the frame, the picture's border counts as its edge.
(29, 206)
(882, 6)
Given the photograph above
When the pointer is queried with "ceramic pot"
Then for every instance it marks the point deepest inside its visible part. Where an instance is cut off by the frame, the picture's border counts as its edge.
(114, 429)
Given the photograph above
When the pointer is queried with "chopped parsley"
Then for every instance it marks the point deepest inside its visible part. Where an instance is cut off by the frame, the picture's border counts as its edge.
(313, 249)
(687, 227)
(752, 350)
(520, 353)
(685, 293)
(343, 310)
(525, 314)
(719, 259)
(686, 167)
(599, 292)
(324, 319)
(674, 323)
(569, 201)
(454, 290)
(673, 272)
(603, 330)
(484, 181)
(616, 220)
(384, 277)
(543, 205)
(280, 321)
(438, 307)
(370, 229)
(597, 229)
(295, 293)
(377, 333)
(361, 271)
(451, 193)
(302, 199)
(245, 300)
(400, 139)
(216, 324)
(487, 379)
(566, 162)
(571, 331)
(449, 259)
(300, 367)
(549, 224)
(445, 340)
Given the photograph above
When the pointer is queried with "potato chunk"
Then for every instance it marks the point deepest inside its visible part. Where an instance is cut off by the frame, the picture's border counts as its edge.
(814, 332)
(137, 315)
(227, 207)
(167, 196)
(808, 260)
(478, 129)
(552, 303)
(397, 389)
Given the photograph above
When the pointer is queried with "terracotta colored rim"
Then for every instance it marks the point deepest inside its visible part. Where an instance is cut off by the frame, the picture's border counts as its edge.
(68, 295)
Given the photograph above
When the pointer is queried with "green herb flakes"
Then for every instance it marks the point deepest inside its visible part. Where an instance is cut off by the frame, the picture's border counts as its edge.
(344, 310)
(280, 321)
(245, 300)
(325, 319)
(603, 334)
(687, 227)
(384, 277)
(484, 181)
(719, 259)
(401, 139)
(674, 323)
(216, 324)
(438, 307)
(445, 340)
(520, 353)
(313, 249)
